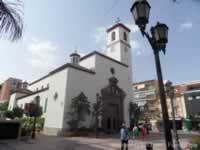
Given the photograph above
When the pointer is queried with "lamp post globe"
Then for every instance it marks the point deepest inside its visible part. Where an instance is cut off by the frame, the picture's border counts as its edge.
(161, 33)
(160, 36)
(170, 91)
(140, 11)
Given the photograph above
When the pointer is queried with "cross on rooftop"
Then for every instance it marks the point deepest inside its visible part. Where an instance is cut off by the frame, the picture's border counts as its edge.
(118, 20)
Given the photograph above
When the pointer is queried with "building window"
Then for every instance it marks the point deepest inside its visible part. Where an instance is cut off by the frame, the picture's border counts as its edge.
(42, 87)
(197, 97)
(14, 85)
(190, 98)
(113, 36)
(47, 85)
(125, 36)
(45, 105)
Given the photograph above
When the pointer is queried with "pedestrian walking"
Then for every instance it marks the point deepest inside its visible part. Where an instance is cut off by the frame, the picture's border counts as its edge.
(124, 136)
(135, 132)
(143, 132)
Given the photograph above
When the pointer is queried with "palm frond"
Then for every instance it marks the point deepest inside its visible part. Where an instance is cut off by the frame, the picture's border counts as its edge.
(10, 20)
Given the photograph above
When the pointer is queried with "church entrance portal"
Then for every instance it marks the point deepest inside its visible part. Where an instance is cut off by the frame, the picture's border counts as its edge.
(112, 106)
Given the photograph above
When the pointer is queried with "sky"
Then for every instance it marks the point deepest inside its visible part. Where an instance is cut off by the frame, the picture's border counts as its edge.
(54, 29)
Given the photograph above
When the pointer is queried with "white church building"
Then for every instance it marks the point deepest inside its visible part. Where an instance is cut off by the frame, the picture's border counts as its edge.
(108, 73)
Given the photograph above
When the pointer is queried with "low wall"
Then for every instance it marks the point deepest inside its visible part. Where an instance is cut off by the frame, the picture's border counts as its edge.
(9, 129)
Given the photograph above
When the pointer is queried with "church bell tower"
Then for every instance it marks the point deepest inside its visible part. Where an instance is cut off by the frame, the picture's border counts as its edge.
(118, 43)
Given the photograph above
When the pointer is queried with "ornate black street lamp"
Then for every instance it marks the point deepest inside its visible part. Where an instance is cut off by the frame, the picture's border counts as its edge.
(170, 91)
(158, 41)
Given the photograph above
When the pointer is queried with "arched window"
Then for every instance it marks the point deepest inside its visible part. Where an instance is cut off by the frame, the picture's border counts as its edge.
(125, 36)
(113, 36)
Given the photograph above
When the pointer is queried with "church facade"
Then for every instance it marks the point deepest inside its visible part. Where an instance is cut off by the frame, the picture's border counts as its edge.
(108, 74)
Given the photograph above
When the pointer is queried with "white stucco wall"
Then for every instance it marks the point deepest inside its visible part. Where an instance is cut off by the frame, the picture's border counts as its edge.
(43, 95)
(55, 107)
(88, 63)
(55, 110)
(79, 81)
(113, 51)
(13, 101)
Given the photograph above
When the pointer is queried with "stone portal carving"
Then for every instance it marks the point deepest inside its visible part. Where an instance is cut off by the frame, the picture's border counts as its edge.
(113, 105)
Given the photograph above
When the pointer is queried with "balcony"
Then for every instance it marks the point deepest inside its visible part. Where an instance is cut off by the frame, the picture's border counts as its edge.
(149, 94)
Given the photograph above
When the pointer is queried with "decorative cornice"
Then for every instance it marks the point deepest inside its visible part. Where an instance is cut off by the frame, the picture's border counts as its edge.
(72, 66)
(119, 41)
(118, 25)
(24, 91)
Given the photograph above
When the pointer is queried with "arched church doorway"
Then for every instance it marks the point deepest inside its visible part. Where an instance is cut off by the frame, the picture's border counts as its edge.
(113, 106)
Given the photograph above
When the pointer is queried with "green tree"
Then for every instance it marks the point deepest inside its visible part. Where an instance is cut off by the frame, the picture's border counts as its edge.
(4, 106)
(18, 112)
(10, 19)
(9, 114)
(80, 107)
(134, 113)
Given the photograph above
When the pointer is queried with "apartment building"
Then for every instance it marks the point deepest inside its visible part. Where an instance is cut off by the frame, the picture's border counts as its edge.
(145, 94)
(192, 99)
(10, 85)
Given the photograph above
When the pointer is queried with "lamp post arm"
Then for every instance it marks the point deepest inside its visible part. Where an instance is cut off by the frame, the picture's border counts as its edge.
(149, 38)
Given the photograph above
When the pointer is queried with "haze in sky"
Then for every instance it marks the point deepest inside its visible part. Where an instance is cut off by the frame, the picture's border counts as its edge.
(55, 29)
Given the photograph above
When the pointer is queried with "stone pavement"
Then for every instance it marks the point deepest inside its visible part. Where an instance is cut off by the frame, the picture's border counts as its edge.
(43, 142)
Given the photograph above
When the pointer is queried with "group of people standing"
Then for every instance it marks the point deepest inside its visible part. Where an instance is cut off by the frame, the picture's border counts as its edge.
(137, 131)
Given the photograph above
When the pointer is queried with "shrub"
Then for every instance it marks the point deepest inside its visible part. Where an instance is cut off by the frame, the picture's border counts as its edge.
(195, 144)
(9, 114)
(80, 107)
(4, 106)
(25, 132)
(27, 123)
(18, 112)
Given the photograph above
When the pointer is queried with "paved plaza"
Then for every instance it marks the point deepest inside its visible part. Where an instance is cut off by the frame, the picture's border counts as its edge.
(85, 143)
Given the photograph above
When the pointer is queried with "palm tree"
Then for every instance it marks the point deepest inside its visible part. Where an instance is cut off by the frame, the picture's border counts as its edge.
(10, 19)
